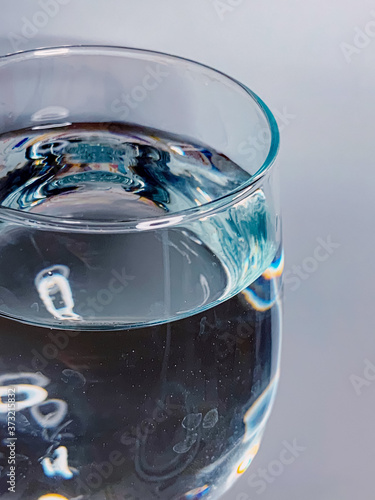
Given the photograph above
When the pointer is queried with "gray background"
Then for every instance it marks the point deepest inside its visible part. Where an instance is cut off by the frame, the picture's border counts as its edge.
(291, 53)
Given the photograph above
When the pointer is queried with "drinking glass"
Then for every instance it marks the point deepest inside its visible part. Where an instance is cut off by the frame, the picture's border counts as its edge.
(140, 264)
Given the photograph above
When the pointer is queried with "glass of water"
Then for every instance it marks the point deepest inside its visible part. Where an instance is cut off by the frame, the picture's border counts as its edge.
(140, 276)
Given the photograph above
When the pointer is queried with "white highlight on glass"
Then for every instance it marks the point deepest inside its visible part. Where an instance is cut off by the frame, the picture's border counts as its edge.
(33, 395)
(53, 418)
(158, 224)
(50, 113)
(58, 466)
(205, 287)
(52, 52)
(177, 150)
(51, 125)
(260, 410)
(52, 281)
(33, 378)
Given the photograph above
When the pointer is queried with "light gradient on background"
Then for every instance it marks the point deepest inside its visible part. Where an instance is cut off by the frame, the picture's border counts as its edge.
(291, 54)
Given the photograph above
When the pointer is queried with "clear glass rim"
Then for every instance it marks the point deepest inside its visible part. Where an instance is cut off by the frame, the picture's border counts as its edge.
(187, 215)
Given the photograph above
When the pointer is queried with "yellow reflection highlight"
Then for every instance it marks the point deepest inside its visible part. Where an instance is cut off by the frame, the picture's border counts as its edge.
(256, 302)
(204, 194)
(276, 269)
(249, 457)
(52, 496)
(177, 150)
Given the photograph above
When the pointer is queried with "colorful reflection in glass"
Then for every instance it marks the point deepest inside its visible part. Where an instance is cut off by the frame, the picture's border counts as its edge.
(248, 458)
(198, 493)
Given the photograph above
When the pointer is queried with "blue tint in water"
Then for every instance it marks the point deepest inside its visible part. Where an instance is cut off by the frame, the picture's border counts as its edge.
(161, 369)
